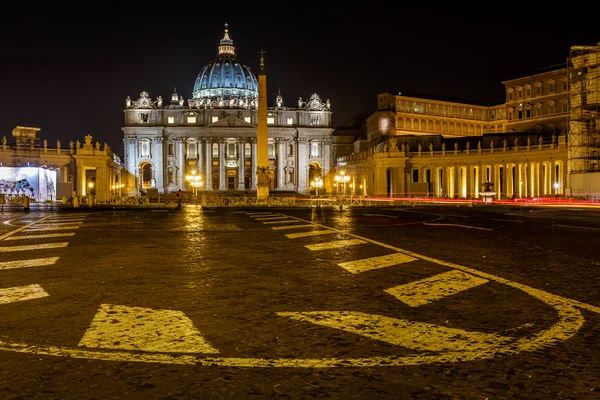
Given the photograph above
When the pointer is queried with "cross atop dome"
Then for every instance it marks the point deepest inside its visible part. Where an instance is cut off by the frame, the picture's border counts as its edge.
(226, 46)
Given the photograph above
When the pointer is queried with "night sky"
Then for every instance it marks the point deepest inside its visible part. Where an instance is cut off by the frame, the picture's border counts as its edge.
(68, 71)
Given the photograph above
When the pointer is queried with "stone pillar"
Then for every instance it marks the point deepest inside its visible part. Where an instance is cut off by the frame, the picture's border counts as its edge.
(222, 176)
(158, 161)
(201, 162)
(208, 173)
(180, 151)
(241, 167)
(254, 165)
(280, 178)
(303, 184)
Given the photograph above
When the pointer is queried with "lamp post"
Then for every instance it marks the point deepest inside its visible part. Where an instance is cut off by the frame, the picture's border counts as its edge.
(317, 183)
(343, 179)
(195, 181)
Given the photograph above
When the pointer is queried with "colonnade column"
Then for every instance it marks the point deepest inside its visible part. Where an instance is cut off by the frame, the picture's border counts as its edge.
(253, 166)
(241, 166)
(327, 158)
(181, 163)
(208, 172)
(201, 159)
(302, 165)
(280, 163)
(222, 177)
(157, 157)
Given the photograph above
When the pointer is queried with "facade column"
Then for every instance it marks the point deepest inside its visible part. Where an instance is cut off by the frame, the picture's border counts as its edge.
(208, 173)
(180, 151)
(399, 178)
(509, 181)
(303, 184)
(254, 165)
(241, 166)
(280, 163)
(222, 176)
(201, 162)
(326, 169)
(158, 158)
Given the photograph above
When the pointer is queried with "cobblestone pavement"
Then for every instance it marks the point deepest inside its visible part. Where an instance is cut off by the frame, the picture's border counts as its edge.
(263, 303)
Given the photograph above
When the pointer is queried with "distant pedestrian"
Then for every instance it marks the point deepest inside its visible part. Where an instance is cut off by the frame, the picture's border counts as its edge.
(179, 195)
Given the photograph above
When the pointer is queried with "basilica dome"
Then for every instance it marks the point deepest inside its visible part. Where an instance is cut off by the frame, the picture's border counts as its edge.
(225, 81)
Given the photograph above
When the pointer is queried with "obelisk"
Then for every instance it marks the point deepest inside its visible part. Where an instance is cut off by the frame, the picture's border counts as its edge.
(262, 150)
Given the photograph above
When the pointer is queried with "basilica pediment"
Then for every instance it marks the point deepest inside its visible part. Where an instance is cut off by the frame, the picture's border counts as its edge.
(231, 121)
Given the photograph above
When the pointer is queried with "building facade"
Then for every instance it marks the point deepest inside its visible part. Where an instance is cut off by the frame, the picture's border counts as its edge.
(441, 147)
(28, 166)
(214, 135)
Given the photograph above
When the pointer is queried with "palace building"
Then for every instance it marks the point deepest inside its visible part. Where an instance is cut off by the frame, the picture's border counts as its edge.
(214, 134)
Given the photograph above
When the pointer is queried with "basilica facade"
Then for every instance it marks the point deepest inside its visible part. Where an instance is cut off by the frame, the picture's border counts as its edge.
(213, 135)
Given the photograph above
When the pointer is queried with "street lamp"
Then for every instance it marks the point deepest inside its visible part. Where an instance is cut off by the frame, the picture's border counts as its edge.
(343, 179)
(195, 181)
(317, 183)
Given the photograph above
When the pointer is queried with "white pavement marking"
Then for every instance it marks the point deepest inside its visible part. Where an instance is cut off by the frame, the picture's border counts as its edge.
(380, 215)
(52, 228)
(368, 264)
(334, 245)
(579, 227)
(262, 214)
(36, 262)
(137, 328)
(21, 229)
(65, 219)
(271, 218)
(45, 223)
(437, 287)
(287, 221)
(43, 236)
(6, 249)
(310, 233)
(459, 226)
(293, 226)
(21, 293)
(410, 334)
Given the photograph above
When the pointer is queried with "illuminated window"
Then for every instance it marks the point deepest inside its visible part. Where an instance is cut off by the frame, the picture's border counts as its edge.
(247, 119)
(192, 150)
(314, 149)
(247, 151)
(519, 93)
(564, 105)
(171, 120)
(191, 119)
(551, 108)
(145, 148)
(384, 125)
(215, 151)
(290, 121)
(270, 120)
(214, 118)
(144, 118)
(231, 150)
(271, 150)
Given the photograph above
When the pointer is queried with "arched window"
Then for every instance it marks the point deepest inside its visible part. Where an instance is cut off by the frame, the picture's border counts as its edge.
(231, 149)
(314, 149)
(171, 149)
(191, 150)
(215, 150)
(145, 148)
(247, 151)
(271, 150)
